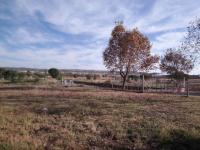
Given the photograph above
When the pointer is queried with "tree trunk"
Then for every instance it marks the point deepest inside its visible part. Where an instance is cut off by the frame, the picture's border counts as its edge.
(124, 76)
(124, 83)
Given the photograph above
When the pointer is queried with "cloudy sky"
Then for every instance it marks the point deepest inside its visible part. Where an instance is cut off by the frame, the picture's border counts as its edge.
(72, 34)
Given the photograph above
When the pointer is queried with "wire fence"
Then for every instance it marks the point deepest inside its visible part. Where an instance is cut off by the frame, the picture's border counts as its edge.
(152, 85)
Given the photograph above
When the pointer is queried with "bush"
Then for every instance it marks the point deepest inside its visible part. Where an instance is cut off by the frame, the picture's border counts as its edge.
(60, 77)
(13, 76)
(20, 76)
(97, 77)
(89, 77)
(179, 75)
(39, 75)
(75, 75)
(28, 73)
(54, 72)
(10, 75)
(1, 73)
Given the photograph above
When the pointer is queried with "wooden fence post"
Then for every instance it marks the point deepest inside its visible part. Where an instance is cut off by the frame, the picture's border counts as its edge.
(156, 85)
(188, 91)
(184, 82)
(142, 83)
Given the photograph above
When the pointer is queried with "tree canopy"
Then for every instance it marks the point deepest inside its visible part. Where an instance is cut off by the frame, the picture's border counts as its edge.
(128, 51)
(54, 72)
(175, 63)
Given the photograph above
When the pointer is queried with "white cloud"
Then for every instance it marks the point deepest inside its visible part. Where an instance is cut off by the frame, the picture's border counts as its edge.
(72, 57)
(93, 18)
(24, 35)
(167, 40)
(97, 17)
(168, 15)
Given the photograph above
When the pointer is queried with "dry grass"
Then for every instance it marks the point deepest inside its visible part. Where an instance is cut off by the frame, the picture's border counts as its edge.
(82, 118)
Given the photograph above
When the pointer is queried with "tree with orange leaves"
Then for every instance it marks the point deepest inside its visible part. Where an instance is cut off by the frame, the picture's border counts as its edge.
(128, 51)
(176, 63)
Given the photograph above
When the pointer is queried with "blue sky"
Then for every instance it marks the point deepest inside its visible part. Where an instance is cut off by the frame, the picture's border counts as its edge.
(72, 34)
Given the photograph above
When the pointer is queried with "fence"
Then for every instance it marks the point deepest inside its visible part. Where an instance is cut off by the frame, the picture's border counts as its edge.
(152, 85)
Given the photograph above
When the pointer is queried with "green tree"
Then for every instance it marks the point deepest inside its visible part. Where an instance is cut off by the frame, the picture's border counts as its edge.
(54, 72)
(21, 76)
(1, 73)
(28, 73)
(89, 77)
(10, 75)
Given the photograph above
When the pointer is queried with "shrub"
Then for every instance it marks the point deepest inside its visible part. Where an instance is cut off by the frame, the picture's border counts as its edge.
(54, 72)
(1, 72)
(10, 75)
(97, 77)
(89, 77)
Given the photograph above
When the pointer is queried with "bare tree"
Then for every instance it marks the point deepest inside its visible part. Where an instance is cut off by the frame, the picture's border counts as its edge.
(191, 42)
(128, 51)
(176, 63)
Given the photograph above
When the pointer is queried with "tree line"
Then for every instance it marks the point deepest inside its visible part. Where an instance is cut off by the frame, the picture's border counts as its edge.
(11, 75)
(16, 76)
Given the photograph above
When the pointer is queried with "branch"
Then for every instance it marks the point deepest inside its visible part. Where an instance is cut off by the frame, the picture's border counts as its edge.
(122, 73)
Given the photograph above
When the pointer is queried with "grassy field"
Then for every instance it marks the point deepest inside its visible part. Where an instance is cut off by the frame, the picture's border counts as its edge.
(84, 118)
